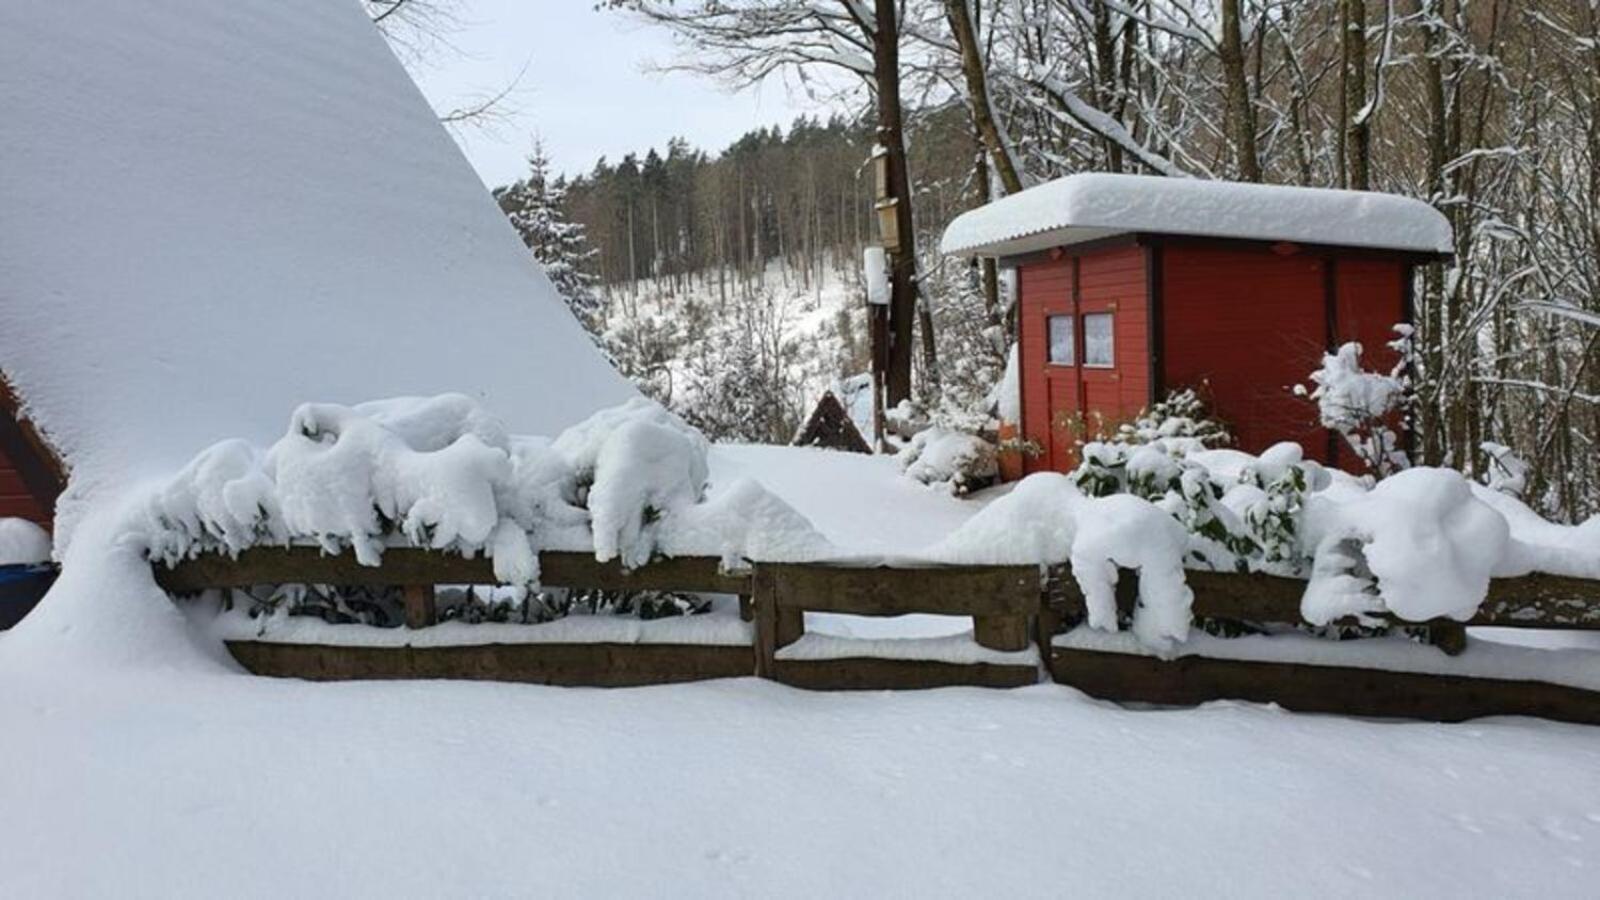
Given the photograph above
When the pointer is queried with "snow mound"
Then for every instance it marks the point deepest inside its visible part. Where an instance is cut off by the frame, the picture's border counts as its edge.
(1430, 545)
(441, 472)
(951, 460)
(1046, 520)
(23, 543)
(1090, 205)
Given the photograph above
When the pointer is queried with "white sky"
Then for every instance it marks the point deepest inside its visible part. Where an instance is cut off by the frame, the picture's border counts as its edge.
(586, 91)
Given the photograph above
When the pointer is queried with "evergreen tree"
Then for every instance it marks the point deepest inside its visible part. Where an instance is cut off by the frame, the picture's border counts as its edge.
(535, 206)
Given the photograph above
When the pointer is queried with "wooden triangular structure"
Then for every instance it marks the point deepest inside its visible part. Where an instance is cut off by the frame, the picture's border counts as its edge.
(830, 426)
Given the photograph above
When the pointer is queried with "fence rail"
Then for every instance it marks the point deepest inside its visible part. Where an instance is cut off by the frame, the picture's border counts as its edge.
(1012, 608)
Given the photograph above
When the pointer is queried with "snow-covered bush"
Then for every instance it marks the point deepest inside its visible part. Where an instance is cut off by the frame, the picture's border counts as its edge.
(1363, 407)
(953, 460)
(22, 543)
(1428, 542)
(1181, 415)
(1240, 522)
(629, 483)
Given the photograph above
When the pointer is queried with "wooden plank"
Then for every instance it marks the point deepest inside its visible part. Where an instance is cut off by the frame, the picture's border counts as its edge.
(1190, 680)
(1528, 601)
(872, 673)
(404, 565)
(574, 665)
(1001, 632)
(883, 591)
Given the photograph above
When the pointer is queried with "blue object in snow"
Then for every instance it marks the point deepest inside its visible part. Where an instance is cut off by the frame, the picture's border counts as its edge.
(21, 588)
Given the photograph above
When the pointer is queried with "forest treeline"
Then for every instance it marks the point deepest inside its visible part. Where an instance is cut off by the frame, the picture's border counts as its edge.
(800, 196)
(1488, 109)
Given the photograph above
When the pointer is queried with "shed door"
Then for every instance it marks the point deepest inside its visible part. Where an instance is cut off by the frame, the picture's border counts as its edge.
(1049, 376)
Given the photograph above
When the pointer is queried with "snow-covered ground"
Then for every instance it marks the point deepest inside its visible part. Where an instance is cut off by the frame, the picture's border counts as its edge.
(144, 783)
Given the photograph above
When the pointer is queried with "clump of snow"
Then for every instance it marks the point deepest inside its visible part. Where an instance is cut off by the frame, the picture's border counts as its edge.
(1046, 519)
(875, 271)
(952, 460)
(958, 649)
(22, 543)
(1035, 523)
(1508, 472)
(644, 472)
(1538, 545)
(1006, 398)
(629, 483)
(1128, 532)
(743, 522)
(1429, 543)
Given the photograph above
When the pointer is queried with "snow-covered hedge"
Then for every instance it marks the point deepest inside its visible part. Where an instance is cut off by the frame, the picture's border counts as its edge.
(629, 483)
(1421, 544)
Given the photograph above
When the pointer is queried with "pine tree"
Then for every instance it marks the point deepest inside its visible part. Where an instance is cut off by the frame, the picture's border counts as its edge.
(535, 206)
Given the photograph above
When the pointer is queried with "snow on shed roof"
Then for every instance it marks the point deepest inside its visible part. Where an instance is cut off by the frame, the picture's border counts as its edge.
(212, 212)
(1092, 205)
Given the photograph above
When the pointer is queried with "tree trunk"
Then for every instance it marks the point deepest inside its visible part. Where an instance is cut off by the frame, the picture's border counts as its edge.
(903, 265)
(1241, 111)
(978, 100)
(1357, 120)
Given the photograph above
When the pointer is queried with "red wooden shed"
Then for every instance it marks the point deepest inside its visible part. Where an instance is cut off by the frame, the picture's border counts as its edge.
(1130, 286)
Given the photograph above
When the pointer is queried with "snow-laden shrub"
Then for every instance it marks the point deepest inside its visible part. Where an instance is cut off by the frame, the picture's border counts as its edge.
(441, 473)
(1429, 544)
(23, 543)
(1362, 406)
(1180, 416)
(1241, 522)
(952, 460)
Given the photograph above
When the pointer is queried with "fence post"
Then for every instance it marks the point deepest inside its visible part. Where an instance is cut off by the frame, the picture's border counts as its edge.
(421, 610)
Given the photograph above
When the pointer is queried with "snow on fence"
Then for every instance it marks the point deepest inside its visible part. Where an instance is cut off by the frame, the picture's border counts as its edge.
(1021, 614)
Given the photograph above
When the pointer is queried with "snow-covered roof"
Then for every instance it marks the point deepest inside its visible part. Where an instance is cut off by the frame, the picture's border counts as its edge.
(1093, 205)
(212, 212)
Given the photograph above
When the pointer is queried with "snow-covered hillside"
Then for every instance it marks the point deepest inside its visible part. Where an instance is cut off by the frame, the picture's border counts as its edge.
(743, 359)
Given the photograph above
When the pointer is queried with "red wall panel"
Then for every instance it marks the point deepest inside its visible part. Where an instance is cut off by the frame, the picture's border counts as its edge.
(1371, 296)
(1249, 324)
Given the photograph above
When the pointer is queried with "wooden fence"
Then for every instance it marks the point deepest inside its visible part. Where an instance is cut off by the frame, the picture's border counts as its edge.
(1013, 608)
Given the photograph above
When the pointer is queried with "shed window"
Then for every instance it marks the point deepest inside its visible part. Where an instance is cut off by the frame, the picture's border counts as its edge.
(1063, 346)
(1098, 340)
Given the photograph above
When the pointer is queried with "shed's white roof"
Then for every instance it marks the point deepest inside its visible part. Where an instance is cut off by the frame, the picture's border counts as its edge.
(1092, 205)
(213, 212)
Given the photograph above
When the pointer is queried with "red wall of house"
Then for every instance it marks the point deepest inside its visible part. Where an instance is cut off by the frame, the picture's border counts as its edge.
(1109, 280)
(15, 499)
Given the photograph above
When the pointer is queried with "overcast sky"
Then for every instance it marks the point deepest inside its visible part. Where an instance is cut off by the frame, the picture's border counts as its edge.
(586, 91)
